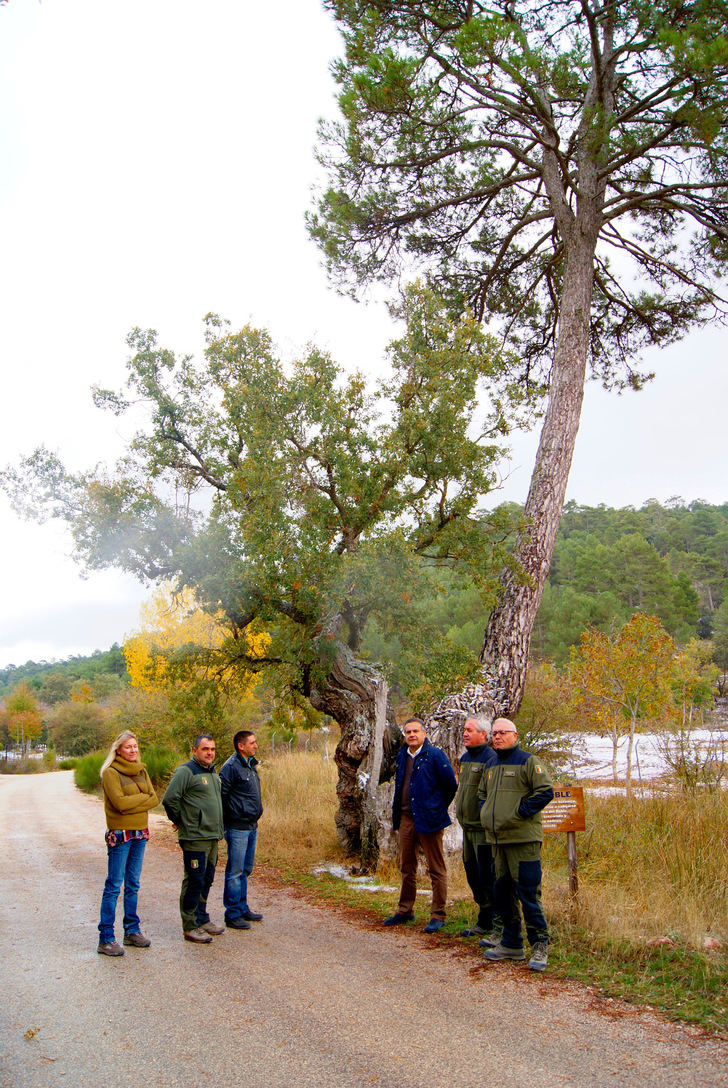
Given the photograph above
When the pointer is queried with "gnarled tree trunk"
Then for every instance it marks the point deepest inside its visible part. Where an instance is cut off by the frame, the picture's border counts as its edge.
(355, 695)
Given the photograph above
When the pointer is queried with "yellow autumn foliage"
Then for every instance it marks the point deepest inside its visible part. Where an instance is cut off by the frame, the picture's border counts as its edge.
(171, 621)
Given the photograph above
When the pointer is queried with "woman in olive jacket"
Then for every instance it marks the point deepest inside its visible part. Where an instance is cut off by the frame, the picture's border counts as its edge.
(128, 796)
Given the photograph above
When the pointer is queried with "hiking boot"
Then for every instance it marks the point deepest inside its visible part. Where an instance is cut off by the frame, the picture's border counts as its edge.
(197, 936)
(502, 952)
(474, 931)
(251, 916)
(398, 919)
(111, 948)
(213, 929)
(136, 940)
(434, 925)
(539, 956)
(491, 940)
(237, 923)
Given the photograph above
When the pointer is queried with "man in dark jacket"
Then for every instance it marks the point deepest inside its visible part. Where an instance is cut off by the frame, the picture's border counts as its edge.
(424, 786)
(192, 802)
(513, 793)
(477, 854)
(242, 808)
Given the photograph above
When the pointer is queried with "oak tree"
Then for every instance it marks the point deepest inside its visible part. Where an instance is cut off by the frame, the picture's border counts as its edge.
(301, 501)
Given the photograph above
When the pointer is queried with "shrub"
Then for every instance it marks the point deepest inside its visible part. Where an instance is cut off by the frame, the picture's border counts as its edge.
(86, 771)
(67, 764)
(78, 728)
(696, 764)
(21, 766)
(160, 763)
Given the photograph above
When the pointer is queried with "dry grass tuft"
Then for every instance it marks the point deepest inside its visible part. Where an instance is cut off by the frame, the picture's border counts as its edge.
(299, 798)
(650, 867)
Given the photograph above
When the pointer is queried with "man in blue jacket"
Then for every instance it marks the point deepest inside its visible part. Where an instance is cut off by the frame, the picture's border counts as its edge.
(241, 810)
(424, 786)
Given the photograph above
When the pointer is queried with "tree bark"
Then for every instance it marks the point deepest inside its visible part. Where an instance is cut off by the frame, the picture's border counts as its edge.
(354, 694)
(370, 776)
(508, 634)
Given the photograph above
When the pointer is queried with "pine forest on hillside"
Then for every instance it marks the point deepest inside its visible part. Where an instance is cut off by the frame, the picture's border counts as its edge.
(668, 560)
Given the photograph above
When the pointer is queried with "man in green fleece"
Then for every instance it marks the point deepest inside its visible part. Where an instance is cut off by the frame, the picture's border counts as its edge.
(477, 854)
(512, 794)
(194, 805)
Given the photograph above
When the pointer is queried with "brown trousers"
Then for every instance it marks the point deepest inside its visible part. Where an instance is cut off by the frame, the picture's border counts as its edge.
(431, 846)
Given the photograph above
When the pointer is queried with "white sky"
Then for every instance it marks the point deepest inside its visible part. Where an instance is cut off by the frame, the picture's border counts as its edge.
(155, 163)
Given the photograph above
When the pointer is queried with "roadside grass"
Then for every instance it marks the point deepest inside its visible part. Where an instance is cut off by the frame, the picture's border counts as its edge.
(26, 765)
(299, 797)
(652, 867)
(682, 983)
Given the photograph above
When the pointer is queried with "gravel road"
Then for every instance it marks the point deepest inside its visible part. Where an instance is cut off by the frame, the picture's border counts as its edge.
(309, 998)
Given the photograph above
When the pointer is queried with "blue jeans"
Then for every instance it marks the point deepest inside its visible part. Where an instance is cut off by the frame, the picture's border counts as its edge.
(241, 857)
(125, 866)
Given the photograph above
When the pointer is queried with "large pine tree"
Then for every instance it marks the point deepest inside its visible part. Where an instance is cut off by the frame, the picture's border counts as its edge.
(560, 168)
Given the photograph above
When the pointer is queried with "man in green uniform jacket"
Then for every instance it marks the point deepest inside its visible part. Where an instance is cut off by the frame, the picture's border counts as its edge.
(194, 805)
(477, 854)
(512, 794)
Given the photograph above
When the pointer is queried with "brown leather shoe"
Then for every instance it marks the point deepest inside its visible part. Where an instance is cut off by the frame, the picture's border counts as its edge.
(112, 948)
(198, 936)
(136, 940)
(212, 929)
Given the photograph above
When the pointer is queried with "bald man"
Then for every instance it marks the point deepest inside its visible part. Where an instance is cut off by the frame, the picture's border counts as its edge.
(513, 792)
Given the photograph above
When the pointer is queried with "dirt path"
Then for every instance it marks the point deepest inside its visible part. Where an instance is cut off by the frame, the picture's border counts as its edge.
(307, 999)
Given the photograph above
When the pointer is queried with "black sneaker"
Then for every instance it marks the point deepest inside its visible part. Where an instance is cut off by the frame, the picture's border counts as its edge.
(251, 916)
(237, 923)
(474, 931)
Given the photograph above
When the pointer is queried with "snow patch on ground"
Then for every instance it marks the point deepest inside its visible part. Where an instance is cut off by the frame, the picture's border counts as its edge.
(366, 883)
(647, 759)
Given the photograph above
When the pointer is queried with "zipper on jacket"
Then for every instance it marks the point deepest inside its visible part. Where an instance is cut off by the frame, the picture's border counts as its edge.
(499, 768)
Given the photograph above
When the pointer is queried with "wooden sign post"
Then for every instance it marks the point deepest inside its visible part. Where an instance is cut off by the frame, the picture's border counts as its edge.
(566, 814)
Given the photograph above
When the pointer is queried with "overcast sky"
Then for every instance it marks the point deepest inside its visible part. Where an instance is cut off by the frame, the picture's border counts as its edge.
(156, 160)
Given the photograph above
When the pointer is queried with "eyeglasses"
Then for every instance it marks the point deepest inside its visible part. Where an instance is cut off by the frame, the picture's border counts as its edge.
(502, 732)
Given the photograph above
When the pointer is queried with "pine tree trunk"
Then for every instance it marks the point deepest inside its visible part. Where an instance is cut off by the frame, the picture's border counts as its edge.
(508, 634)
